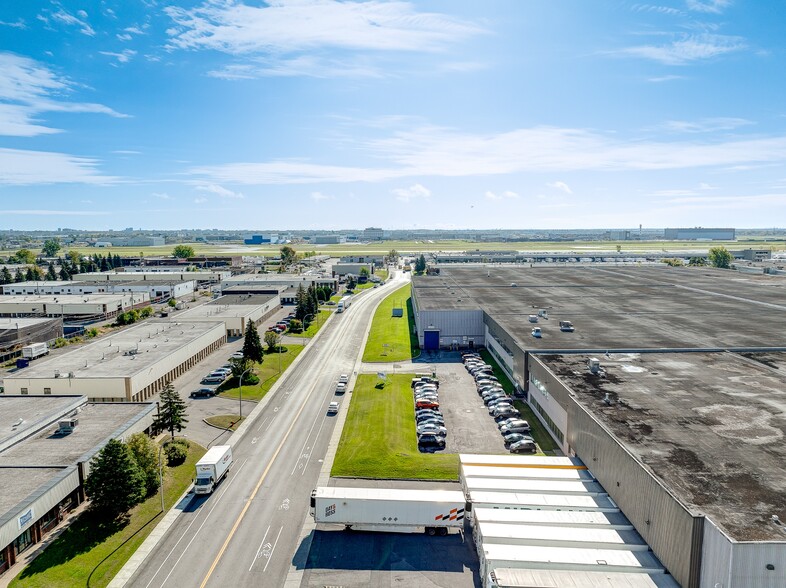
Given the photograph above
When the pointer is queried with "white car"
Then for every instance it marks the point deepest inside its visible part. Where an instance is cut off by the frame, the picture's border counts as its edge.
(236, 355)
(341, 387)
(333, 408)
(432, 429)
(343, 379)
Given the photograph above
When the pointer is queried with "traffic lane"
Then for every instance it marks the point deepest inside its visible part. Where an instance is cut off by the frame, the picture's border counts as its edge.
(356, 558)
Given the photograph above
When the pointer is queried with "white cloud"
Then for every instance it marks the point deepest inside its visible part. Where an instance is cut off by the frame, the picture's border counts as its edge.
(134, 31)
(19, 167)
(706, 125)
(688, 48)
(162, 195)
(714, 6)
(285, 30)
(319, 196)
(200, 200)
(413, 192)
(434, 151)
(122, 57)
(651, 8)
(704, 186)
(26, 91)
(220, 191)
(494, 196)
(18, 24)
(124, 37)
(126, 152)
(69, 19)
(669, 78)
(562, 186)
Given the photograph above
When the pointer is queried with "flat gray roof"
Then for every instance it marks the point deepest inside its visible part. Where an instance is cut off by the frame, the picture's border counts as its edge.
(712, 426)
(243, 299)
(20, 416)
(98, 422)
(14, 324)
(19, 483)
(152, 341)
(647, 307)
(101, 298)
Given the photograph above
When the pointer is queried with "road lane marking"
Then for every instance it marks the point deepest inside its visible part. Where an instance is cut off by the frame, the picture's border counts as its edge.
(262, 423)
(261, 543)
(272, 550)
(261, 480)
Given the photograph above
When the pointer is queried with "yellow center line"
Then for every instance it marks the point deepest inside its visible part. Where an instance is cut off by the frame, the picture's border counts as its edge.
(253, 494)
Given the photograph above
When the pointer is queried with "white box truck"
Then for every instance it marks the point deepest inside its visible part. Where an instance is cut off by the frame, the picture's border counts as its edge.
(212, 468)
(35, 350)
(343, 304)
(434, 512)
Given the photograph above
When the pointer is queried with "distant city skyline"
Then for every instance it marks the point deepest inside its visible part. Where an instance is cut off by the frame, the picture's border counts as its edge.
(322, 114)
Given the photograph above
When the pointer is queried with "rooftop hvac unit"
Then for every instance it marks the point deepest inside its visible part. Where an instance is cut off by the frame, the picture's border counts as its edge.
(67, 426)
(57, 373)
(594, 365)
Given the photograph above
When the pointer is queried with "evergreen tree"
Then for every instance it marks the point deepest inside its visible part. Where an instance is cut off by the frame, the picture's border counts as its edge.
(64, 275)
(301, 303)
(252, 346)
(18, 276)
(104, 264)
(118, 261)
(145, 454)
(30, 275)
(116, 483)
(50, 272)
(351, 282)
(420, 264)
(6, 277)
(172, 411)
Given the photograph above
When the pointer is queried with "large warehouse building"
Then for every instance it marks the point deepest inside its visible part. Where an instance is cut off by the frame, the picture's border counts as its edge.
(236, 312)
(131, 365)
(45, 449)
(71, 306)
(682, 414)
(154, 290)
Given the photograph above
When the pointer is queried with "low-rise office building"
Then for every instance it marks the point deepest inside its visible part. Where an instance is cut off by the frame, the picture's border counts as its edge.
(286, 284)
(131, 365)
(340, 270)
(46, 445)
(155, 291)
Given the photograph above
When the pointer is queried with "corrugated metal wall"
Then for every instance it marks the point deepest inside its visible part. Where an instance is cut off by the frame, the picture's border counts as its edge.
(673, 533)
(519, 355)
(453, 325)
(749, 565)
(716, 560)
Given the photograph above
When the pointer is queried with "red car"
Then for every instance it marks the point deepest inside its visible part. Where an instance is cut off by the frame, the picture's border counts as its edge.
(426, 403)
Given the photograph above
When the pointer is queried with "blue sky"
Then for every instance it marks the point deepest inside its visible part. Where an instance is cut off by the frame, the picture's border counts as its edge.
(320, 114)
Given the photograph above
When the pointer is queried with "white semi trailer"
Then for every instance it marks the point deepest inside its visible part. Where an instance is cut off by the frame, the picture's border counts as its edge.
(35, 350)
(514, 578)
(434, 512)
(212, 468)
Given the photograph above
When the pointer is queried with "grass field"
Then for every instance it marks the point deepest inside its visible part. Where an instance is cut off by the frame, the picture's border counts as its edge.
(91, 551)
(426, 246)
(395, 332)
(542, 437)
(379, 439)
(315, 326)
(225, 421)
(382, 274)
(268, 374)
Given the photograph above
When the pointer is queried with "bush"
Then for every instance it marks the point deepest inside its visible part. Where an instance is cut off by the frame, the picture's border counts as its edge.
(176, 452)
(59, 342)
(146, 312)
(91, 333)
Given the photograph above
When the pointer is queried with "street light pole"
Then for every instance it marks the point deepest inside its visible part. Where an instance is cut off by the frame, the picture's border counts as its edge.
(241, 393)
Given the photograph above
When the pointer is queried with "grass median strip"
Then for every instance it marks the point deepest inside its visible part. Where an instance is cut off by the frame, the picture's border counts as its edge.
(391, 338)
(268, 373)
(91, 551)
(379, 439)
(314, 326)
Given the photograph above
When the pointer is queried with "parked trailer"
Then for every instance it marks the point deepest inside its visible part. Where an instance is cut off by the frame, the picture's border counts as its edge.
(513, 578)
(435, 512)
(35, 350)
(212, 468)
(496, 533)
(523, 501)
(514, 461)
(553, 518)
(491, 471)
(494, 556)
(532, 486)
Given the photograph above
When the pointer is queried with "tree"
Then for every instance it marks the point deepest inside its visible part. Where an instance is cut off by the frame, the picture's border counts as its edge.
(172, 411)
(145, 454)
(51, 247)
(74, 256)
(272, 339)
(183, 251)
(720, 257)
(64, 274)
(351, 282)
(6, 277)
(295, 326)
(239, 366)
(392, 256)
(116, 483)
(252, 347)
(104, 264)
(172, 302)
(51, 275)
(288, 256)
(301, 303)
(697, 261)
(18, 276)
(24, 256)
(420, 264)
(364, 272)
(30, 275)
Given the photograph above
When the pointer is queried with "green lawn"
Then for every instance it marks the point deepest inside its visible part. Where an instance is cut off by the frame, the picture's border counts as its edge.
(382, 274)
(314, 326)
(396, 333)
(379, 439)
(225, 421)
(539, 433)
(268, 374)
(91, 551)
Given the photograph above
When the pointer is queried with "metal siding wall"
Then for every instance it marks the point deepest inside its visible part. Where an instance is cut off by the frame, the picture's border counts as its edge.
(507, 342)
(716, 558)
(658, 516)
(453, 324)
(749, 561)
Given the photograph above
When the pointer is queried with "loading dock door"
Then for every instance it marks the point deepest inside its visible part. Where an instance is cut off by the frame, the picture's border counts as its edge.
(431, 340)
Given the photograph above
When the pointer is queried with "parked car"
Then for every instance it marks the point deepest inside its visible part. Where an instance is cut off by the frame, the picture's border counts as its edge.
(537, 333)
(484, 378)
(432, 428)
(523, 446)
(510, 420)
(424, 380)
(505, 411)
(332, 408)
(425, 389)
(213, 379)
(427, 403)
(203, 393)
(490, 388)
(430, 421)
(488, 397)
(511, 438)
(341, 387)
(430, 440)
(223, 370)
(236, 355)
(499, 403)
(343, 379)
(516, 427)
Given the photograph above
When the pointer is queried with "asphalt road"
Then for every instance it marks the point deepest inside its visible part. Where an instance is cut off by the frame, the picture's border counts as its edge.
(247, 532)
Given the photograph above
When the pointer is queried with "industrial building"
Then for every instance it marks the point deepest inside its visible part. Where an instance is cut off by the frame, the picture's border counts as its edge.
(235, 312)
(154, 291)
(285, 284)
(133, 274)
(72, 306)
(699, 234)
(340, 270)
(373, 234)
(131, 365)
(377, 260)
(667, 383)
(46, 445)
(15, 333)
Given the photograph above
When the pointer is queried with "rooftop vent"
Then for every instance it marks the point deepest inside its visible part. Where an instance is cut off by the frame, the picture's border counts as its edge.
(57, 373)
(594, 365)
(67, 426)
(608, 400)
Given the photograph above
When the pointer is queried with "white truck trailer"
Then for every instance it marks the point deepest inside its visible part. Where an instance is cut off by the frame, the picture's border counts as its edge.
(212, 468)
(513, 578)
(35, 350)
(434, 512)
